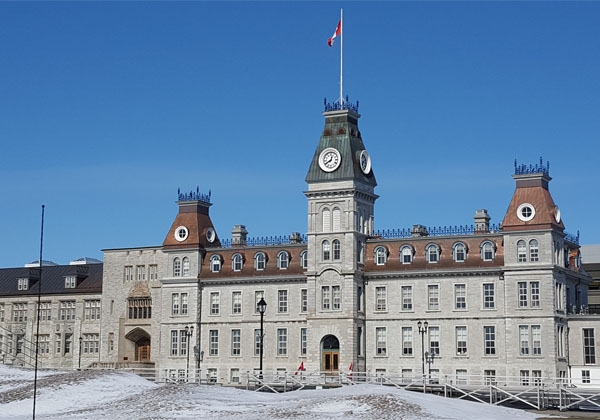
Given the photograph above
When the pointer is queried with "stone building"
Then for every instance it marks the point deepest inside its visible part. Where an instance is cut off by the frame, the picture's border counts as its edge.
(484, 301)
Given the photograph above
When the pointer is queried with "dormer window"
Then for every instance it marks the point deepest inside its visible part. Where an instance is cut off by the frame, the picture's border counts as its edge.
(237, 262)
(406, 254)
(283, 260)
(215, 263)
(380, 255)
(459, 252)
(260, 261)
(70, 282)
(433, 253)
(304, 259)
(22, 284)
(487, 251)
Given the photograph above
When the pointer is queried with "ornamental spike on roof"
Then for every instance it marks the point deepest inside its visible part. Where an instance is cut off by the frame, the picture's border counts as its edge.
(340, 104)
(194, 196)
(532, 169)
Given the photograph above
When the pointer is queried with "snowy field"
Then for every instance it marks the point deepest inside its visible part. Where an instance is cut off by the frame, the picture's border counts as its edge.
(115, 395)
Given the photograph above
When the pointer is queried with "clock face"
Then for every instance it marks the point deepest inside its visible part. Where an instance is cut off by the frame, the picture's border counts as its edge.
(365, 162)
(329, 159)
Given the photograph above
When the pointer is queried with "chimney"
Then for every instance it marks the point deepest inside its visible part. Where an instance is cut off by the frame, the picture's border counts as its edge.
(482, 221)
(418, 230)
(239, 235)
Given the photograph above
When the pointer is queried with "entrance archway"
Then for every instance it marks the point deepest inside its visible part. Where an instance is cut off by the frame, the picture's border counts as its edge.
(142, 344)
(330, 354)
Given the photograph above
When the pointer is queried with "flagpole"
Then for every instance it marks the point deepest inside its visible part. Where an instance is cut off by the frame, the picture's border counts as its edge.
(341, 56)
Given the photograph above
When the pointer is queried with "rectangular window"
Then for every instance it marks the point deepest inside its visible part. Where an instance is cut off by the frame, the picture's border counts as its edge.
(489, 337)
(407, 341)
(359, 341)
(282, 342)
(58, 343)
(70, 282)
(461, 376)
(524, 339)
(359, 299)
(212, 375)
(215, 301)
(461, 340)
(22, 284)
(258, 295)
(1, 312)
(407, 376)
(460, 296)
(90, 343)
(326, 298)
(236, 305)
(175, 304)
(589, 346)
(67, 310)
(407, 296)
(183, 344)
(214, 342)
(381, 340)
(45, 312)
(128, 275)
(433, 297)
(236, 342)
(257, 342)
(534, 286)
(536, 376)
(111, 342)
(140, 272)
(536, 339)
(304, 300)
(283, 302)
(68, 343)
(585, 377)
(380, 299)
(19, 312)
(153, 272)
(337, 297)
(434, 340)
(524, 376)
(489, 377)
(303, 341)
(522, 294)
(234, 376)
(44, 343)
(91, 310)
(488, 296)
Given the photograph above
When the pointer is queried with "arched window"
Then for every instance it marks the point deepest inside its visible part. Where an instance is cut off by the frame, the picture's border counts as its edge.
(215, 263)
(337, 250)
(326, 220)
(406, 254)
(487, 251)
(337, 220)
(176, 267)
(186, 267)
(521, 251)
(283, 260)
(304, 259)
(237, 262)
(433, 253)
(534, 251)
(260, 261)
(326, 250)
(380, 255)
(459, 252)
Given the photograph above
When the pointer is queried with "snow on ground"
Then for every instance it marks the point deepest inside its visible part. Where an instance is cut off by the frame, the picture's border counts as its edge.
(77, 395)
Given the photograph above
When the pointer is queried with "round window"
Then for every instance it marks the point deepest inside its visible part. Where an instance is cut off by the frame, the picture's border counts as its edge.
(526, 212)
(181, 233)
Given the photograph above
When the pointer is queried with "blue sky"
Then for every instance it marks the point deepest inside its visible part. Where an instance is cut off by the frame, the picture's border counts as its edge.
(106, 108)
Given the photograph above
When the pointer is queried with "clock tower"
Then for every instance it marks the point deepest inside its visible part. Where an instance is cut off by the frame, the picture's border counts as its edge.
(341, 202)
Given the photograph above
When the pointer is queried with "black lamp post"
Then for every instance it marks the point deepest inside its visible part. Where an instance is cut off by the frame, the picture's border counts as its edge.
(80, 341)
(262, 307)
(422, 326)
(188, 333)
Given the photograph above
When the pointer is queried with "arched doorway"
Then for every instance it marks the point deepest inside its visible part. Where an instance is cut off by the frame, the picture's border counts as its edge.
(142, 344)
(330, 354)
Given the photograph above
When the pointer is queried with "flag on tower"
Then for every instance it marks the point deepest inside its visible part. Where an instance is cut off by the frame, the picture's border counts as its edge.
(338, 32)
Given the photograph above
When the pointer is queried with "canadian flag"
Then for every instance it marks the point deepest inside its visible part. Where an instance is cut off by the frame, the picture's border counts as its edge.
(338, 32)
(300, 368)
(350, 370)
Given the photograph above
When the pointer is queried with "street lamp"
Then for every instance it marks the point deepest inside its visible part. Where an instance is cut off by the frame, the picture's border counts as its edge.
(422, 326)
(79, 364)
(188, 333)
(261, 306)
